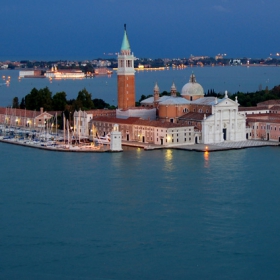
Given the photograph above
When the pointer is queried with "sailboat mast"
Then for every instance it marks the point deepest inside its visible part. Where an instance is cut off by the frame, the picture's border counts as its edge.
(79, 122)
(63, 116)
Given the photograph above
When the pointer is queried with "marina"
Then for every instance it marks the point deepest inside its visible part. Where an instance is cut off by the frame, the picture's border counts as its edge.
(41, 139)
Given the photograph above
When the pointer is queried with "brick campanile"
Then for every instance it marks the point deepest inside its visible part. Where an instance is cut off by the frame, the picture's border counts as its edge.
(126, 75)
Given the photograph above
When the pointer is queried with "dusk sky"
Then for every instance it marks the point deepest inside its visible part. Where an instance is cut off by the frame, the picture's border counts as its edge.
(86, 29)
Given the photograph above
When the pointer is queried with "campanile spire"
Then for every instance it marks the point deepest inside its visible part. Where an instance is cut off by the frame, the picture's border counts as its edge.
(126, 75)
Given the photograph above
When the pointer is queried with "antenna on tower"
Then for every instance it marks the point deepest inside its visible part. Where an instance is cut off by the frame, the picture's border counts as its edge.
(125, 26)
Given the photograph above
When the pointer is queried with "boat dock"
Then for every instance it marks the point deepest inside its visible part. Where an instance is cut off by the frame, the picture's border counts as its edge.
(60, 147)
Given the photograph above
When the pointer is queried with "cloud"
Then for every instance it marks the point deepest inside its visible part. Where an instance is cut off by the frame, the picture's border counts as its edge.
(219, 8)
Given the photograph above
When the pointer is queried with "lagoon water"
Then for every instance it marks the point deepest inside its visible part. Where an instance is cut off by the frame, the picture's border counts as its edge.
(164, 214)
(161, 214)
(232, 79)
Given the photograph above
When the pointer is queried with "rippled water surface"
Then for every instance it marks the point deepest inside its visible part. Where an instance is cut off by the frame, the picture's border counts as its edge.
(163, 214)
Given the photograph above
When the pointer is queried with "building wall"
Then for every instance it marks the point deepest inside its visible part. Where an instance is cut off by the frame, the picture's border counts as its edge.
(143, 134)
(24, 118)
(148, 134)
(81, 120)
(173, 112)
(265, 130)
(126, 91)
(174, 136)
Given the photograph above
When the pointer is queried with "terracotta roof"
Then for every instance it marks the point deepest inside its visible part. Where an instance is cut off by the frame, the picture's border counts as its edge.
(263, 118)
(275, 107)
(159, 124)
(137, 108)
(19, 112)
(138, 121)
(265, 115)
(101, 111)
(54, 113)
(255, 108)
(194, 116)
(269, 102)
(114, 120)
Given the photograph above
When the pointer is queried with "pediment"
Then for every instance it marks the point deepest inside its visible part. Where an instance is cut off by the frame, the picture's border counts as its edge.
(226, 102)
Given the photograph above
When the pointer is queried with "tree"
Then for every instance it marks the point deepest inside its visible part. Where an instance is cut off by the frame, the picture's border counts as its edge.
(39, 98)
(15, 102)
(100, 103)
(59, 101)
(31, 99)
(84, 99)
(45, 96)
(22, 103)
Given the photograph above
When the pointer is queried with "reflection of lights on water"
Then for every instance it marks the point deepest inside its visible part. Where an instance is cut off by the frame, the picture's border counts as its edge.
(206, 155)
(168, 159)
(206, 158)
(168, 155)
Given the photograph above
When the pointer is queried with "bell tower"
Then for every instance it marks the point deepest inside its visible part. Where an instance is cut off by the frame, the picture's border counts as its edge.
(126, 75)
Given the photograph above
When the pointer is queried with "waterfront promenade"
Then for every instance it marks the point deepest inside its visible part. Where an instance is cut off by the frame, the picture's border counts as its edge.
(224, 146)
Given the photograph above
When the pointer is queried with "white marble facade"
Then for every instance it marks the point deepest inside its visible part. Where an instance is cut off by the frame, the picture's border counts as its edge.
(225, 123)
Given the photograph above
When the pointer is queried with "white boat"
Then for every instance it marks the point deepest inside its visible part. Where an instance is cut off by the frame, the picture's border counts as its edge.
(103, 139)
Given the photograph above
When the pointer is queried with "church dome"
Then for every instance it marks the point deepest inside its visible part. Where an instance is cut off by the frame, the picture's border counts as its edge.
(192, 88)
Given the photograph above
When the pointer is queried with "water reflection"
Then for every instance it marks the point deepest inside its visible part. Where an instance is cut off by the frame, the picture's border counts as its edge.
(206, 159)
(168, 160)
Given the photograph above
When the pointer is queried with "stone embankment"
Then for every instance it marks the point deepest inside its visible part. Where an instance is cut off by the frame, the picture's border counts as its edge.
(224, 146)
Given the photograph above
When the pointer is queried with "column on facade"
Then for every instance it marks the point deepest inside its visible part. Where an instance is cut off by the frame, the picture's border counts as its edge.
(215, 125)
(235, 125)
(230, 124)
(221, 128)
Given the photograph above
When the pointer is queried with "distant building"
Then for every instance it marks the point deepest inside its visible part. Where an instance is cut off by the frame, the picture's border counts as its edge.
(30, 73)
(54, 73)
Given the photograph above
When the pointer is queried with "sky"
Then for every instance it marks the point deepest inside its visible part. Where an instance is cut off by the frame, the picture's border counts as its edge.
(87, 29)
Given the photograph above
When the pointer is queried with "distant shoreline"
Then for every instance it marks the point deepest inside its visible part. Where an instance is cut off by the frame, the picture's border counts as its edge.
(163, 68)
